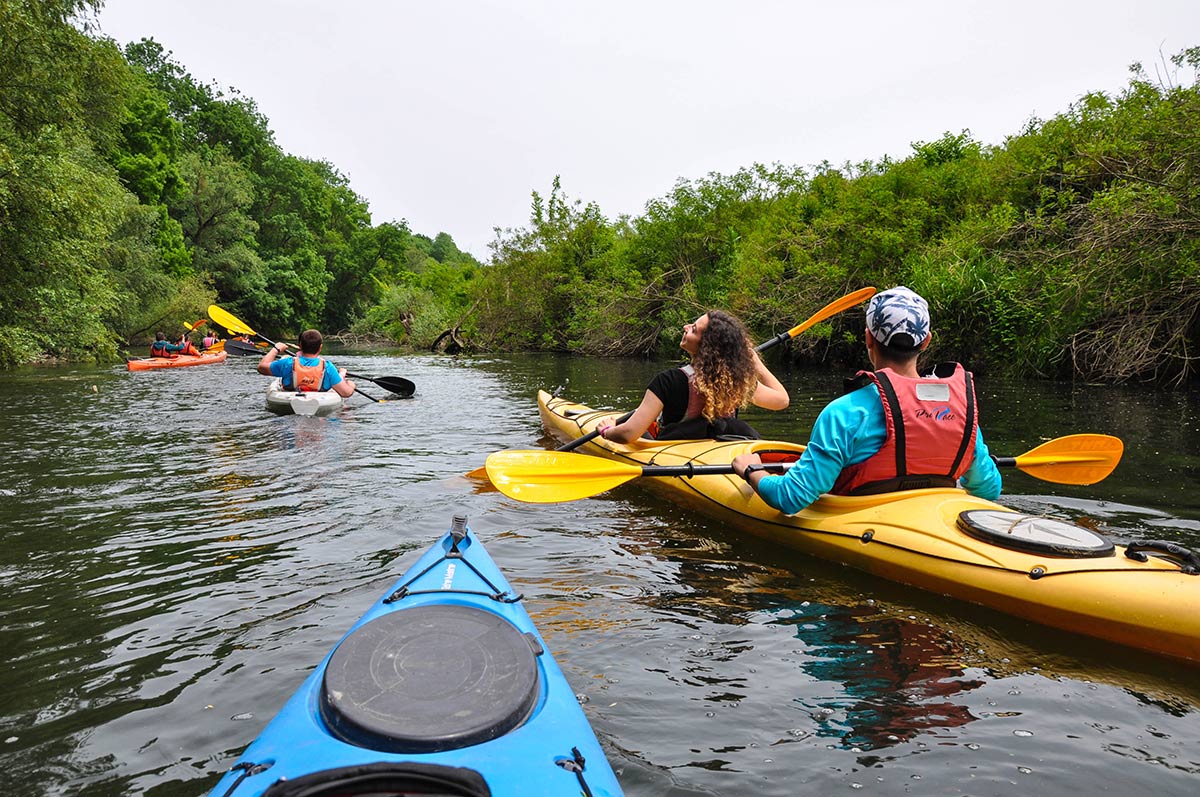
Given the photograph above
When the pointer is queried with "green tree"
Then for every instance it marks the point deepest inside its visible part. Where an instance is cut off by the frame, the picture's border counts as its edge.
(61, 100)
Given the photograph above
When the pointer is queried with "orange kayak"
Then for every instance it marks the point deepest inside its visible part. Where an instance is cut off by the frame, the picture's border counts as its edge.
(182, 361)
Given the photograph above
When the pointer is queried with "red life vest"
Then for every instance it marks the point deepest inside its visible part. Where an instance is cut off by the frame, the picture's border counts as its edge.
(695, 405)
(307, 377)
(188, 348)
(159, 349)
(931, 422)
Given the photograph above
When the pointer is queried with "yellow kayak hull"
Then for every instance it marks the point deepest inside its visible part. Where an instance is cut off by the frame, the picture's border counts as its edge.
(913, 538)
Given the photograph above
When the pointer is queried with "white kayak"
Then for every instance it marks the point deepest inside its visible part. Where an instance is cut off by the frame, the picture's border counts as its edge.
(294, 402)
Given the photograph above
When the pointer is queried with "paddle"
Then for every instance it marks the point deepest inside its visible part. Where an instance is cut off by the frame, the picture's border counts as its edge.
(546, 477)
(236, 326)
(1074, 459)
(244, 348)
(829, 310)
(393, 384)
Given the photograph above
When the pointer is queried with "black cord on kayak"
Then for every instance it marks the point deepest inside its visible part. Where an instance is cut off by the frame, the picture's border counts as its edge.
(576, 765)
(496, 594)
(1188, 561)
(248, 770)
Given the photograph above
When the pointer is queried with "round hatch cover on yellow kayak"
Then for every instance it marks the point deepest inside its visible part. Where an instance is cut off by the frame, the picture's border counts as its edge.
(1034, 534)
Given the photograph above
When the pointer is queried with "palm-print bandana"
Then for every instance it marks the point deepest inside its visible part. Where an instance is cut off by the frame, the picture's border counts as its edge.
(898, 317)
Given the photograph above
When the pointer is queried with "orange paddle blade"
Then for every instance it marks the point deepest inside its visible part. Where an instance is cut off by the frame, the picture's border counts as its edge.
(1073, 459)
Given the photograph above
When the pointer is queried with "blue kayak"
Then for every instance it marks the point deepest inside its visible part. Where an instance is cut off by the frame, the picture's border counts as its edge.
(444, 687)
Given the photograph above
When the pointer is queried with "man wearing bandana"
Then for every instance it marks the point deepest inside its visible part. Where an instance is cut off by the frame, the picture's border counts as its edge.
(896, 429)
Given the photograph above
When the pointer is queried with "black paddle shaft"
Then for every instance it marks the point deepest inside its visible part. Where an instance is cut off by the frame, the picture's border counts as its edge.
(242, 347)
(578, 441)
(689, 470)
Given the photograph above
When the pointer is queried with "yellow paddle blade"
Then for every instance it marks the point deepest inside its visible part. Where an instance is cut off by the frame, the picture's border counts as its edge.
(1074, 459)
(547, 477)
(229, 321)
(832, 309)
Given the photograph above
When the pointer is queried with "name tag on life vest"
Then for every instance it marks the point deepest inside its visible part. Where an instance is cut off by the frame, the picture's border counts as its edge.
(933, 391)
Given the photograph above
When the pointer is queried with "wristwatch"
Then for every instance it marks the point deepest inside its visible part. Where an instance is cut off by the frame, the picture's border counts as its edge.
(750, 469)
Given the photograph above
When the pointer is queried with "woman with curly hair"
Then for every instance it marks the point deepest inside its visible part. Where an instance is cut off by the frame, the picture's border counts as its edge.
(701, 399)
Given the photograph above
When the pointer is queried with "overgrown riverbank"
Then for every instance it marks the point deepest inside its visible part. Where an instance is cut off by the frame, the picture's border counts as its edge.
(133, 195)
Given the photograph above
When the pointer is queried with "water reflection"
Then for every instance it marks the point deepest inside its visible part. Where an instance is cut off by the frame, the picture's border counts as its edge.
(296, 433)
(898, 675)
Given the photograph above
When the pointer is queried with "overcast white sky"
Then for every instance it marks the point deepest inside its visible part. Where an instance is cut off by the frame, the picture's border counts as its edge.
(449, 113)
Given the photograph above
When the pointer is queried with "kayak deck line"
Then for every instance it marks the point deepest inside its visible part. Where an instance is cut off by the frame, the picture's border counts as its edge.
(496, 593)
(915, 538)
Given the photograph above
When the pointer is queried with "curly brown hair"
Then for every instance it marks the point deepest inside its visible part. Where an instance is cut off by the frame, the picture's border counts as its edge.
(724, 366)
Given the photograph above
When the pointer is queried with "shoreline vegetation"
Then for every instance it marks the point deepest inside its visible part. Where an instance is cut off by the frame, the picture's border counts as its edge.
(133, 195)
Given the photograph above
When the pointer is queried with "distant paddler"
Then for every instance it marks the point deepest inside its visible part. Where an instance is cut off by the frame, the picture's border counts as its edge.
(161, 347)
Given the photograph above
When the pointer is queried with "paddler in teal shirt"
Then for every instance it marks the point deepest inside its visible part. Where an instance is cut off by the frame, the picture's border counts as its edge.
(925, 435)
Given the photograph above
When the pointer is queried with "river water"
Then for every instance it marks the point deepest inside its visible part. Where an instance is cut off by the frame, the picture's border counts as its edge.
(175, 560)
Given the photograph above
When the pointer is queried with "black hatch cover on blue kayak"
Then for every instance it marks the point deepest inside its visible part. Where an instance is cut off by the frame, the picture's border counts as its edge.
(382, 779)
(430, 678)
(1034, 534)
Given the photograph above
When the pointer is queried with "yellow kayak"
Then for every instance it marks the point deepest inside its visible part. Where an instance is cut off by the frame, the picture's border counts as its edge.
(943, 540)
